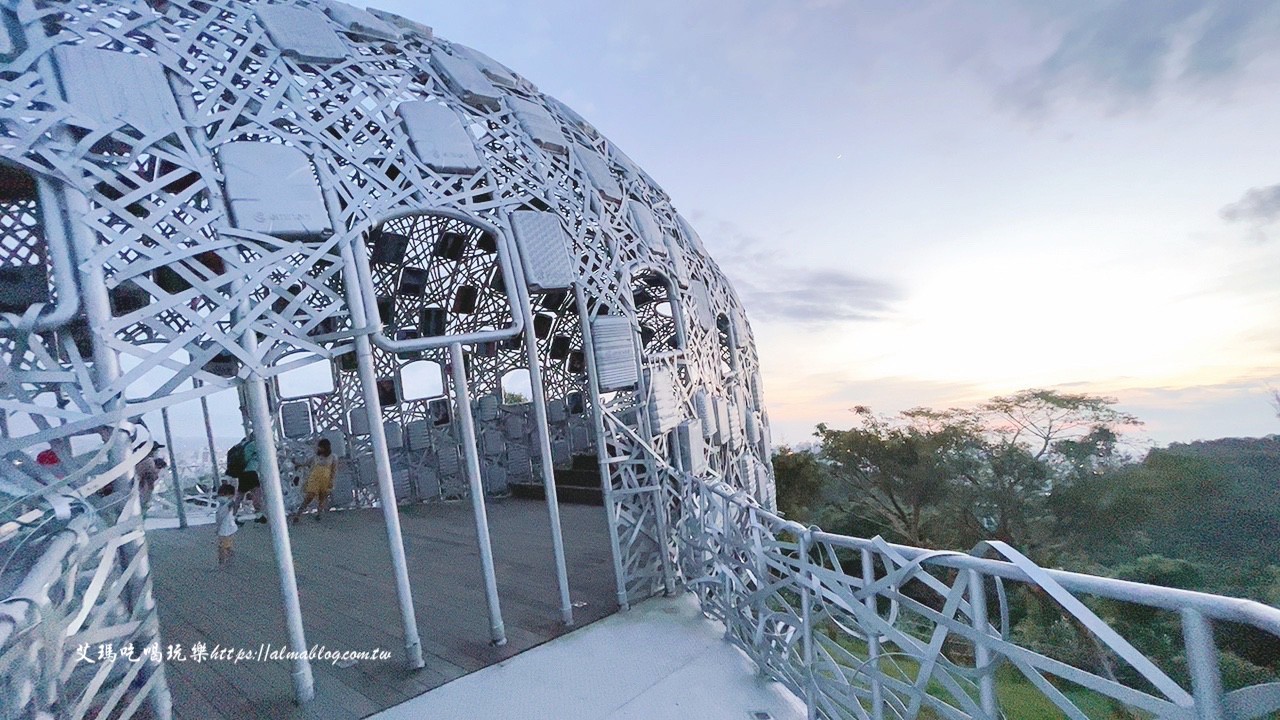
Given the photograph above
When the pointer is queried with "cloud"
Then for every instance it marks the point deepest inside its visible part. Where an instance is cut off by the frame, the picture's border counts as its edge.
(772, 288)
(1128, 52)
(813, 296)
(1259, 206)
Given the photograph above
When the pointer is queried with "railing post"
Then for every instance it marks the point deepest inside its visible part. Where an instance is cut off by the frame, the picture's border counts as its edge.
(1202, 662)
(726, 592)
(981, 653)
(806, 620)
(873, 641)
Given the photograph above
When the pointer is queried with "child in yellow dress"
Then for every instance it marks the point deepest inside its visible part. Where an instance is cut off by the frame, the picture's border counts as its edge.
(319, 482)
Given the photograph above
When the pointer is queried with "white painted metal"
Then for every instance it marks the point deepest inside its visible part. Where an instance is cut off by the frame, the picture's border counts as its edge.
(438, 137)
(302, 33)
(462, 397)
(614, 349)
(539, 124)
(466, 80)
(90, 80)
(273, 189)
(544, 252)
(360, 22)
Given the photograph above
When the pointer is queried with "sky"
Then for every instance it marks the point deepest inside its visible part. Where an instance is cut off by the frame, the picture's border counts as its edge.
(932, 203)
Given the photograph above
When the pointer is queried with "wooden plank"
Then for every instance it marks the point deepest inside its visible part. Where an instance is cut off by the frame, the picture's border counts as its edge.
(349, 603)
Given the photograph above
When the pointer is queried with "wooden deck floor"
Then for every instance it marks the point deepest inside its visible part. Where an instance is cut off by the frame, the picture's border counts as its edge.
(348, 603)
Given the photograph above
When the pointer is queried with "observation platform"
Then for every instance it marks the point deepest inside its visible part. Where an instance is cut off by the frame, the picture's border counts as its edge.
(349, 603)
(661, 660)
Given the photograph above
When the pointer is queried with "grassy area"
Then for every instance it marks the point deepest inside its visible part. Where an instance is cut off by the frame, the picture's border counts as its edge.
(1018, 697)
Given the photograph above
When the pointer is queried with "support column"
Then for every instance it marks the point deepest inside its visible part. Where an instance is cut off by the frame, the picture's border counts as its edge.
(269, 475)
(173, 470)
(462, 397)
(547, 464)
(382, 467)
(208, 433)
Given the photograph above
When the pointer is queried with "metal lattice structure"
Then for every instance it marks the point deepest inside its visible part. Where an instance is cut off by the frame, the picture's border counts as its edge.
(280, 185)
(284, 185)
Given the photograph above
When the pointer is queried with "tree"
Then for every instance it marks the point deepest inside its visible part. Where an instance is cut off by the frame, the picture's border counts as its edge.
(898, 473)
(1070, 431)
(800, 479)
(1035, 441)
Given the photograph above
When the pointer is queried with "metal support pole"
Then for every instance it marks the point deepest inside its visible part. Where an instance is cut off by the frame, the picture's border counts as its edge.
(602, 452)
(463, 398)
(269, 475)
(981, 653)
(208, 433)
(382, 468)
(173, 470)
(544, 445)
(873, 640)
(1202, 662)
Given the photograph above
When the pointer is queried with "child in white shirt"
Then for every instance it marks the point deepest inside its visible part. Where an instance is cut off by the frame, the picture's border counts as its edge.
(225, 520)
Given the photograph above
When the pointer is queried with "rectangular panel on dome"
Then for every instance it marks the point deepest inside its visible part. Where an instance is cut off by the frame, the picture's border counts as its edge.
(678, 266)
(574, 118)
(536, 121)
(437, 136)
(646, 226)
(705, 413)
(705, 315)
(664, 408)
(614, 343)
(544, 249)
(360, 22)
(597, 170)
(723, 426)
(395, 436)
(419, 434)
(337, 442)
(272, 189)
(689, 439)
(94, 81)
(465, 79)
(295, 420)
(302, 33)
(494, 70)
(404, 23)
(358, 421)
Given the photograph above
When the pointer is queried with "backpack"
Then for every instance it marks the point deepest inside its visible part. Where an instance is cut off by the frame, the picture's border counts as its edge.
(236, 460)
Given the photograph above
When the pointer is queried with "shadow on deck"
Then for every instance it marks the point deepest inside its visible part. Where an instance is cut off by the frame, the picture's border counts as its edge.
(349, 603)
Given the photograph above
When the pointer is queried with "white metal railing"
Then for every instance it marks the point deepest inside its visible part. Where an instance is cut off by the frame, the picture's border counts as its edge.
(863, 628)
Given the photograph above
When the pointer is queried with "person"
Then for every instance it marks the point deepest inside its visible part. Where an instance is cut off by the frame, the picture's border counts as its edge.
(319, 482)
(225, 520)
(247, 476)
(147, 471)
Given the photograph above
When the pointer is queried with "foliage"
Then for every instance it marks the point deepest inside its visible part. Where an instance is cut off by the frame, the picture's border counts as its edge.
(799, 478)
(1051, 473)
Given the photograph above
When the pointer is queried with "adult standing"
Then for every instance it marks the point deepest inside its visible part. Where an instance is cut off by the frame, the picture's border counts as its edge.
(242, 464)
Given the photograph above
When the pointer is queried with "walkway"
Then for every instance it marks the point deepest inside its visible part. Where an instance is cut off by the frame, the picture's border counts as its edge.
(348, 603)
(659, 661)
